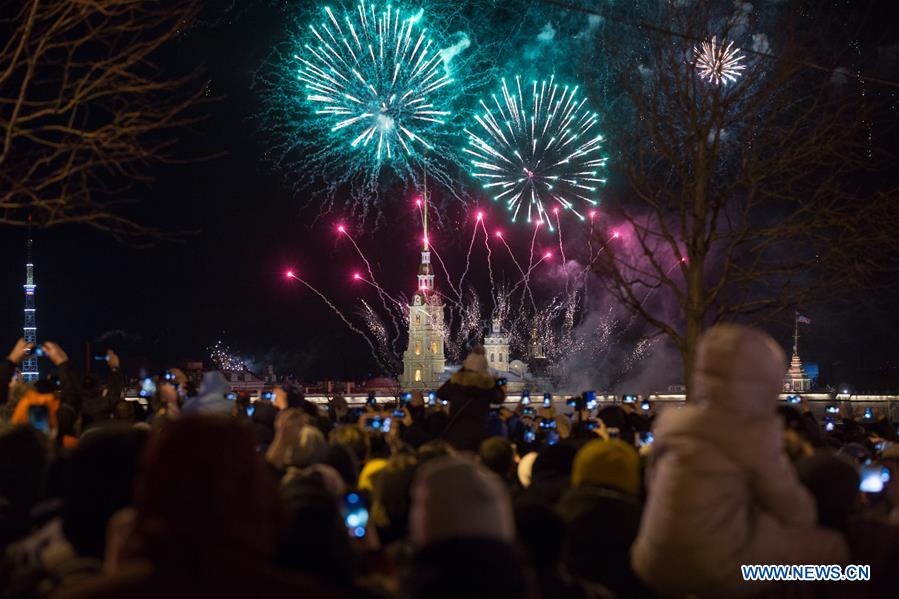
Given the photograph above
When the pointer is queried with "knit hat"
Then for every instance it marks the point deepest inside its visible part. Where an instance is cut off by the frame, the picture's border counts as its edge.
(455, 498)
(612, 463)
(369, 471)
(476, 361)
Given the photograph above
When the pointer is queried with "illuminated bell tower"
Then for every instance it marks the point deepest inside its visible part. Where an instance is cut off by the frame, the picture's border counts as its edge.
(496, 346)
(29, 365)
(423, 360)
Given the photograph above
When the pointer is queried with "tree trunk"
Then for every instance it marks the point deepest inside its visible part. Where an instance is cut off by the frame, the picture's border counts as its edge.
(694, 322)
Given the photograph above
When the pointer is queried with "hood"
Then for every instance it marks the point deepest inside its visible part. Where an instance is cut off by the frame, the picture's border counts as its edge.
(476, 361)
(738, 369)
(214, 383)
(470, 378)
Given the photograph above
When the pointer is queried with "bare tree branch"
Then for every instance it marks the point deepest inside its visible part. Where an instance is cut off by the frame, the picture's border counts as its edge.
(85, 110)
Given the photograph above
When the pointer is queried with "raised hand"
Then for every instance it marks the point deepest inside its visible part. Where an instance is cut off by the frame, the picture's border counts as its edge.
(19, 351)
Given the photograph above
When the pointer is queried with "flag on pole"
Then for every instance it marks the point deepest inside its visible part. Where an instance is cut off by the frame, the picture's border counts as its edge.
(803, 319)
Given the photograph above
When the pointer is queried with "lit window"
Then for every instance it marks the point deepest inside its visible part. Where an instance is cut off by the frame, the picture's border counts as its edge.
(418, 348)
(417, 375)
(434, 347)
(492, 357)
(418, 319)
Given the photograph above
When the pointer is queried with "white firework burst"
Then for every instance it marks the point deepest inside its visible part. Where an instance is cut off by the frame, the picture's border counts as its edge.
(539, 149)
(717, 63)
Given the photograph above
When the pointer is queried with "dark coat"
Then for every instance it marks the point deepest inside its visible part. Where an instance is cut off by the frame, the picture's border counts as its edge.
(469, 395)
(602, 525)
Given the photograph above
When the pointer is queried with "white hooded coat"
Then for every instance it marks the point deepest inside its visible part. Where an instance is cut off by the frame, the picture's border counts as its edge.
(721, 490)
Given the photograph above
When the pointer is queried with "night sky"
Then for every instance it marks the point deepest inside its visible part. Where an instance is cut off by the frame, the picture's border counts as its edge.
(165, 304)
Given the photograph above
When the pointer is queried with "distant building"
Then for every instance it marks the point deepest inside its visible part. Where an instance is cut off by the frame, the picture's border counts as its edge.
(424, 361)
(496, 348)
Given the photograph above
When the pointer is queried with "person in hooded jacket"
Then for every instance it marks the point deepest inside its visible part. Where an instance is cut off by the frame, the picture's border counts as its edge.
(469, 393)
(721, 491)
(211, 400)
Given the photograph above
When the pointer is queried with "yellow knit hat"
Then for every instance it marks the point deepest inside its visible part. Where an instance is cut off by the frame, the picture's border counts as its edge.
(369, 471)
(612, 463)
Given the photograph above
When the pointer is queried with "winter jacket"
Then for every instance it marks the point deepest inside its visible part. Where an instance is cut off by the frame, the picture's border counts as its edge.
(592, 513)
(721, 491)
(469, 394)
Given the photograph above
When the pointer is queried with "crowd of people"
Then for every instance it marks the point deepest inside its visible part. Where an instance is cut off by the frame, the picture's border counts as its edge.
(452, 494)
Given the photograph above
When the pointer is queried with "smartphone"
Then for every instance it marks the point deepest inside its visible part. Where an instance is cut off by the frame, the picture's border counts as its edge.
(832, 409)
(147, 387)
(371, 400)
(399, 414)
(645, 439)
(231, 396)
(269, 395)
(547, 400)
(869, 414)
(37, 350)
(525, 399)
(591, 425)
(645, 406)
(881, 446)
(529, 436)
(444, 402)
(794, 399)
(373, 424)
(873, 478)
(432, 398)
(502, 382)
(168, 376)
(629, 399)
(385, 425)
(614, 433)
(529, 412)
(828, 424)
(547, 423)
(39, 418)
(355, 514)
(405, 398)
(552, 437)
(250, 409)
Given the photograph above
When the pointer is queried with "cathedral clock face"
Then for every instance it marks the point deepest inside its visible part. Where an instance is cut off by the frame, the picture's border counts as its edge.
(417, 301)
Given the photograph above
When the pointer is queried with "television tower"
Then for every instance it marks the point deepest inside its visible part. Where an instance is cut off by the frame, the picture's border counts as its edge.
(29, 365)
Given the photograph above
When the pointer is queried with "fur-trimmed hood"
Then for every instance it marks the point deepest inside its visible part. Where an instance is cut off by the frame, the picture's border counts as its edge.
(470, 378)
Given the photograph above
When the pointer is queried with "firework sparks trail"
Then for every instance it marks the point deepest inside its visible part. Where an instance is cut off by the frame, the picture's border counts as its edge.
(336, 310)
(474, 233)
(379, 332)
(562, 251)
(518, 266)
(489, 256)
(381, 293)
(449, 280)
(399, 304)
